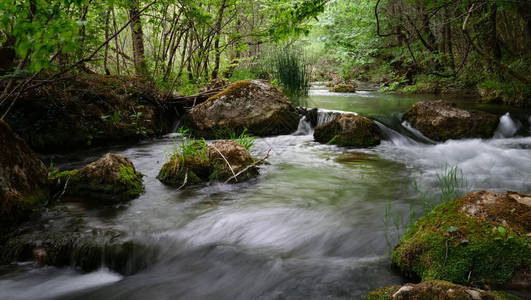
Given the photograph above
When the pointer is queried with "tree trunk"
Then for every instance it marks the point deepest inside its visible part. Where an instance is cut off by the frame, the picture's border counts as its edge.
(138, 41)
(217, 32)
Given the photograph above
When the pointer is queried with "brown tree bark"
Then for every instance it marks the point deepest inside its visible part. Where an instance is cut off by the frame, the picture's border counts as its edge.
(138, 40)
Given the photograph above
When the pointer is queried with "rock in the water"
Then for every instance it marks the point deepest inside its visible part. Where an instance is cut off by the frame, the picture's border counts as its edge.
(343, 88)
(481, 238)
(187, 167)
(441, 120)
(23, 180)
(112, 177)
(208, 163)
(434, 290)
(225, 153)
(348, 130)
(252, 104)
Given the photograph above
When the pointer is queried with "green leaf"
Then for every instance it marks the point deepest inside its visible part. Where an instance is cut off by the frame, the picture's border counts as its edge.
(452, 229)
(501, 230)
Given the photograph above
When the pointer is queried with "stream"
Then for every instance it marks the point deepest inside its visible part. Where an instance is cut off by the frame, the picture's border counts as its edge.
(308, 227)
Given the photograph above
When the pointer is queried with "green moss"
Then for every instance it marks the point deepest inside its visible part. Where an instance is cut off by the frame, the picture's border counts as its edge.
(234, 89)
(448, 245)
(131, 181)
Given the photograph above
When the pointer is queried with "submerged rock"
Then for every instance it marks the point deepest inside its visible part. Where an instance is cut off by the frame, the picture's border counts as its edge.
(434, 290)
(23, 181)
(208, 163)
(343, 88)
(482, 238)
(348, 130)
(113, 177)
(252, 104)
(84, 248)
(441, 120)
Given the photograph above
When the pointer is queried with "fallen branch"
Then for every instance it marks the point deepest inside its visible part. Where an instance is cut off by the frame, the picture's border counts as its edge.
(228, 164)
(250, 166)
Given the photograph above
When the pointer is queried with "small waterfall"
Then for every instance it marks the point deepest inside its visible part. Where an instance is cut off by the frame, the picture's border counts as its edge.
(506, 128)
(417, 133)
(395, 137)
(324, 115)
(304, 128)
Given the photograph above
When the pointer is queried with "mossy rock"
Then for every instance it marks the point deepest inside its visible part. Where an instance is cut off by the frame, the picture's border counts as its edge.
(348, 130)
(209, 163)
(185, 169)
(442, 120)
(111, 178)
(343, 88)
(234, 155)
(23, 181)
(435, 290)
(482, 238)
(248, 104)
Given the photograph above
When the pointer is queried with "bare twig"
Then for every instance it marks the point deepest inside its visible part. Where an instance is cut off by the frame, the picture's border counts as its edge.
(250, 166)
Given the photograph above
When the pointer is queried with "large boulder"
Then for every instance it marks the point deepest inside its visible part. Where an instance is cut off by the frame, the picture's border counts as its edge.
(481, 238)
(252, 104)
(441, 120)
(23, 180)
(111, 178)
(434, 290)
(209, 163)
(348, 130)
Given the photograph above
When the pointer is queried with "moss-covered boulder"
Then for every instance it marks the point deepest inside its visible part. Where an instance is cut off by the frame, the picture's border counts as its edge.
(348, 130)
(435, 290)
(23, 181)
(227, 157)
(343, 88)
(252, 104)
(481, 238)
(111, 178)
(207, 163)
(442, 120)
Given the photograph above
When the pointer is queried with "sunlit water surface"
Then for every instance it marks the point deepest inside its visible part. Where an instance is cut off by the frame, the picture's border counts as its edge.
(308, 227)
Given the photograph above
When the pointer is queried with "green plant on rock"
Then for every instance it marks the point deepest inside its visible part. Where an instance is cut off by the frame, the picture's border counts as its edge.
(189, 161)
(245, 139)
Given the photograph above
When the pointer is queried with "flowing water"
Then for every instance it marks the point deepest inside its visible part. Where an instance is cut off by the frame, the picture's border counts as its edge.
(308, 227)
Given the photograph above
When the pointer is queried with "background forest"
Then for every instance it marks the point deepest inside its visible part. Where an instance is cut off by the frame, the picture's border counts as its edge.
(405, 45)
